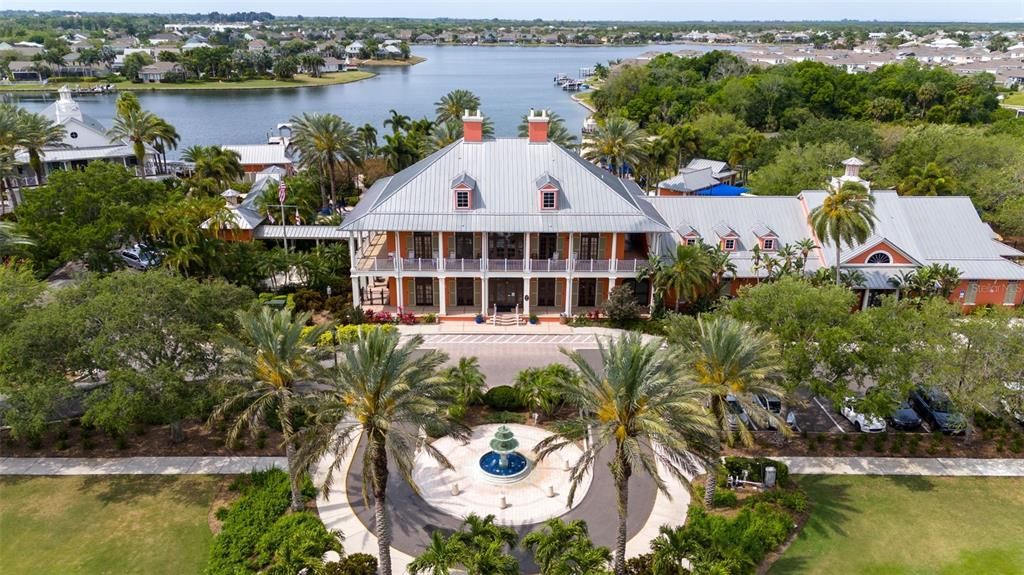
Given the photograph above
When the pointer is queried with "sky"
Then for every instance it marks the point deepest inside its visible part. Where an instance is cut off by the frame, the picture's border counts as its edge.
(679, 10)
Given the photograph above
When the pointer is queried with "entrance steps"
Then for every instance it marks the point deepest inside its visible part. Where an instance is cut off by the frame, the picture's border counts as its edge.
(508, 319)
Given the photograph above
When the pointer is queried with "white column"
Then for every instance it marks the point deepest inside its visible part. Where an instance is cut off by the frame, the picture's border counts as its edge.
(867, 298)
(400, 286)
(352, 250)
(568, 296)
(483, 294)
(483, 246)
(526, 254)
(611, 286)
(615, 251)
(526, 296)
(442, 284)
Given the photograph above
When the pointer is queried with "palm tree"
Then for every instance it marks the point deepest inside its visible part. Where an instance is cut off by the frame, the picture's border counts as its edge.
(641, 408)
(367, 135)
(846, 216)
(932, 180)
(731, 361)
(166, 138)
(323, 140)
(440, 556)
(561, 548)
(557, 132)
(466, 380)
(215, 163)
(271, 359)
(445, 133)
(398, 122)
(683, 140)
(140, 128)
(688, 272)
(312, 62)
(658, 160)
(486, 544)
(670, 551)
(452, 105)
(653, 272)
(382, 393)
(806, 246)
(35, 132)
(536, 388)
(720, 263)
(9, 236)
(617, 141)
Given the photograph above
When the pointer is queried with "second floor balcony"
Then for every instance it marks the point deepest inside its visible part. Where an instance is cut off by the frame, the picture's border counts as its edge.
(391, 263)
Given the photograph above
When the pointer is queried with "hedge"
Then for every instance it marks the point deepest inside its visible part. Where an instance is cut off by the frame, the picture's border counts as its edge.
(755, 467)
(503, 398)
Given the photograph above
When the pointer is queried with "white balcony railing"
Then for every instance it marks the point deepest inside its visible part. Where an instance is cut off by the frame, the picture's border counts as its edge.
(462, 265)
(592, 265)
(504, 265)
(382, 264)
(629, 266)
(548, 265)
(419, 264)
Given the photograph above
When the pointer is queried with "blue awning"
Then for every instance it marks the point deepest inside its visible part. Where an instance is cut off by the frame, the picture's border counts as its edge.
(723, 190)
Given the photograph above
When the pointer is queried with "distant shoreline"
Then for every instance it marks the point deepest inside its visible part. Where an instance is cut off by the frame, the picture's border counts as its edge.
(301, 81)
(412, 61)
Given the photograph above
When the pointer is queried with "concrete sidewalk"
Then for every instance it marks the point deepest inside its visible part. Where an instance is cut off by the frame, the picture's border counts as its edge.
(202, 465)
(937, 466)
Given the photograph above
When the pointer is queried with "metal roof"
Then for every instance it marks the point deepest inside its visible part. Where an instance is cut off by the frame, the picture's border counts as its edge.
(718, 169)
(261, 154)
(506, 172)
(116, 151)
(311, 232)
(689, 180)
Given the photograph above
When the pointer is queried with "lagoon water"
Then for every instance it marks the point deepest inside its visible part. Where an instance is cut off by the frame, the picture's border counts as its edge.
(509, 81)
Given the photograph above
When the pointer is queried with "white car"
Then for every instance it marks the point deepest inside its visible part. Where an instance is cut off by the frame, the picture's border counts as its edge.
(860, 421)
(139, 257)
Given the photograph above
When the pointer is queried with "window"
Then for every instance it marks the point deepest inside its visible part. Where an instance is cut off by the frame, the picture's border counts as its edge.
(546, 292)
(769, 243)
(691, 241)
(462, 200)
(1011, 293)
(548, 245)
(422, 245)
(464, 292)
(464, 245)
(587, 295)
(548, 200)
(972, 293)
(879, 258)
(729, 245)
(589, 247)
(424, 291)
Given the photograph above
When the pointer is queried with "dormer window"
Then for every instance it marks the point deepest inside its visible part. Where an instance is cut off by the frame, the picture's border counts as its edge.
(548, 188)
(548, 199)
(463, 201)
(879, 258)
(691, 241)
(768, 244)
(462, 188)
(729, 244)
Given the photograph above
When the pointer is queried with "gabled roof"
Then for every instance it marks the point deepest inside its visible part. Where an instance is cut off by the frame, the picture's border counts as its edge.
(718, 168)
(762, 230)
(724, 231)
(464, 180)
(547, 180)
(506, 172)
(688, 180)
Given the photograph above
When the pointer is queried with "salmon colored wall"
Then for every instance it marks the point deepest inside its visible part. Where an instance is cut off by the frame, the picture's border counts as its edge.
(391, 241)
(403, 242)
(234, 235)
(620, 247)
(392, 292)
(668, 192)
(897, 258)
(990, 292)
(538, 132)
(473, 131)
(565, 246)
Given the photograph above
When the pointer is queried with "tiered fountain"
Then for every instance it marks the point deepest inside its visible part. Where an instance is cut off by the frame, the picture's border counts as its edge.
(503, 464)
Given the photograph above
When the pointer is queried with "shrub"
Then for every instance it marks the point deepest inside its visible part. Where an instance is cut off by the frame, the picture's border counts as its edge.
(620, 307)
(348, 334)
(428, 318)
(295, 542)
(505, 417)
(308, 300)
(755, 466)
(734, 545)
(503, 398)
(338, 306)
(792, 500)
(354, 564)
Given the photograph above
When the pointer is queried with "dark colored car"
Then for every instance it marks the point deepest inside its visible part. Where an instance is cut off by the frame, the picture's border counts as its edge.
(934, 407)
(904, 417)
(771, 404)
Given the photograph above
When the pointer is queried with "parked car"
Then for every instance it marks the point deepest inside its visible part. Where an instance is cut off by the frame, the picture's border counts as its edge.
(139, 257)
(736, 412)
(904, 417)
(771, 404)
(1013, 400)
(861, 421)
(934, 407)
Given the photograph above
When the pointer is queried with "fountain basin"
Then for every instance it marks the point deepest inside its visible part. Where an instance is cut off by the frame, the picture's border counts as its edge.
(493, 471)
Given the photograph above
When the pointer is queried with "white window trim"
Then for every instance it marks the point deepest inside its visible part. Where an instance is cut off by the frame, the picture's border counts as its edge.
(875, 253)
(725, 244)
(469, 199)
(764, 244)
(554, 199)
(1008, 300)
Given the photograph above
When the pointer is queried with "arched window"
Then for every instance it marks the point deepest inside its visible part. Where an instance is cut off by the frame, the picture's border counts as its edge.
(879, 258)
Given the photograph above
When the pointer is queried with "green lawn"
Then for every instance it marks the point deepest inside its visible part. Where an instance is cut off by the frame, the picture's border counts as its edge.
(300, 81)
(1016, 99)
(909, 526)
(105, 524)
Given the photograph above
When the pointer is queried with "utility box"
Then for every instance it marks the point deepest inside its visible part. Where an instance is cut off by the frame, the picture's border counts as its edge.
(769, 476)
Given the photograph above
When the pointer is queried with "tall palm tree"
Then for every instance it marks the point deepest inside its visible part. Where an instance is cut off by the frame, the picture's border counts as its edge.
(271, 359)
(731, 361)
(688, 272)
(466, 380)
(35, 132)
(932, 180)
(561, 548)
(846, 216)
(312, 63)
(215, 163)
(367, 135)
(720, 263)
(324, 140)
(398, 122)
(166, 138)
(557, 132)
(641, 408)
(683, 141)
(445, 133)
(452, 105)
(382, 393)
(670, 551)
(617, 141)
(140, 128)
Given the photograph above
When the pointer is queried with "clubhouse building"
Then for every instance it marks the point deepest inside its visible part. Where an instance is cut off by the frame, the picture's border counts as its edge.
(519, 225)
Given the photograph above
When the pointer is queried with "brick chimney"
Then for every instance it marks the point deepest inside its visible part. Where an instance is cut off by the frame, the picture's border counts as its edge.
(472, 126)
(538, 122)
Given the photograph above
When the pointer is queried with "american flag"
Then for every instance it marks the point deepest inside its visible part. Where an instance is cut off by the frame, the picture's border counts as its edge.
(282, 192)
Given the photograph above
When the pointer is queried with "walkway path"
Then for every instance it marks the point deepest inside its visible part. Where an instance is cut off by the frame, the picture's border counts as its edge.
(937, 466)
(211, 465)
